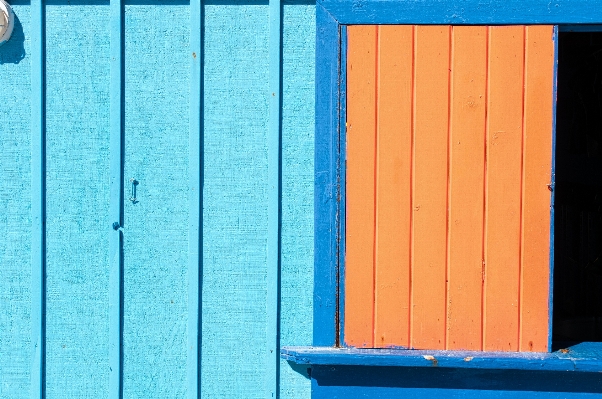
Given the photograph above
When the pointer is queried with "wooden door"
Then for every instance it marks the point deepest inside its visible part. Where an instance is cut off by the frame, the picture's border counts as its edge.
(449, 151)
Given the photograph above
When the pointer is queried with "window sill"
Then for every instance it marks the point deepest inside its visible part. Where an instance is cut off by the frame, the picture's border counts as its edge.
(584, 357)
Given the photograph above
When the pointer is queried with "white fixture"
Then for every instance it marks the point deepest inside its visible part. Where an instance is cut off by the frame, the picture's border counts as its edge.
(7, 22)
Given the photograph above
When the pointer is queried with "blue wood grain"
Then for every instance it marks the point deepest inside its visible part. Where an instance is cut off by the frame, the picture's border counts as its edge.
(419, 382)
(579, 358)
(18, 293)
(195, 204)
(235, 199)
(38, 203)
(326, 184)
(156, 232)
(553, 195)
(116, 203)
(77, 104)
(486, 12)
(342, 165)
(272, 347)
(298, 110)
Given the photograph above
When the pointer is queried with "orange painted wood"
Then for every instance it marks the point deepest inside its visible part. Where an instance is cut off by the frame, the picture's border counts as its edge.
(467, 165)
(504, 182)
(360, 186)
(431, 112)
(537, 156)
(449, 135)
(393, 193)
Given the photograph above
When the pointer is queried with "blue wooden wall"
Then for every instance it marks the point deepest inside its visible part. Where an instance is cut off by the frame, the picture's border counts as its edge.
(235, 361)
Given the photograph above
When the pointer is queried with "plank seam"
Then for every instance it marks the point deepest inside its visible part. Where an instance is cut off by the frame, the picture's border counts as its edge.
(116, 201)
(375, 187)
(412, 171)
(448, 188)
(38, 203)
(484, 233)
(195, 246)
(522, 196)
(273, 278)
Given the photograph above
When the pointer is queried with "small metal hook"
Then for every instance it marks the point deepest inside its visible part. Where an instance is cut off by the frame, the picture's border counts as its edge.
(133, 193)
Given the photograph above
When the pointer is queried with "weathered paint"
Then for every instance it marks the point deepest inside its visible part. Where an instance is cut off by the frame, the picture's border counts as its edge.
(235, 195)
(472, 204)
(580, 358)
(298, 82)
(155, 248)
(155, 125)
(450, 12)
(19, 257)
(77, 90)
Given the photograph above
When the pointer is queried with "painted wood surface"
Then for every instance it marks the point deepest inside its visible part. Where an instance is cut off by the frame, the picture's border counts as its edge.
(444, 12)
(580, 358)
(16, 354)
(448, 169)
(77, 76)
(235, 196)
(298, 119)
(234, 108)
(155, 253)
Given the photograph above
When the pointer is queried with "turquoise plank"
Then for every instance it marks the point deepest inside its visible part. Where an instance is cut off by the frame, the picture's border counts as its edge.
(15, 220)
(297, 190)
(157, 87)
(236, 113)
(77, 173)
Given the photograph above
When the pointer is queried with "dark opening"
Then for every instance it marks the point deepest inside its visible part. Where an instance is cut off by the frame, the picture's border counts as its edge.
(578, 194)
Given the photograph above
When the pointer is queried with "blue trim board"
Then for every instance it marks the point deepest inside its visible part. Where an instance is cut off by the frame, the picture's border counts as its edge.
(38, 202)
(326, 178)
(342, 165)
(274, 201)
(467, 12)
(116, 201)
(553, 191)
(439, 382)
(579, 358)
(195, 266)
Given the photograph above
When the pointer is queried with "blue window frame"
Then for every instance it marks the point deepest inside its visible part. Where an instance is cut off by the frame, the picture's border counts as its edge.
(332, 16)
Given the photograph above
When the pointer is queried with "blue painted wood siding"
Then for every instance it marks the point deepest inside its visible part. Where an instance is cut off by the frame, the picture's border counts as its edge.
(88, 93)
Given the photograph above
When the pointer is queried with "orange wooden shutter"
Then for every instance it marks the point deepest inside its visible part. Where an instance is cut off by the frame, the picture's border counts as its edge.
(449, 147)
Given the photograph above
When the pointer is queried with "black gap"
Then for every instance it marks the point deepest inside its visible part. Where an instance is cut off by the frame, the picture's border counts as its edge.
(578, 192)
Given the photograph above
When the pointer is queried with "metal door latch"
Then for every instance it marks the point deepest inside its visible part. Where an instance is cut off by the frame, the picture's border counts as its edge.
(133, 192)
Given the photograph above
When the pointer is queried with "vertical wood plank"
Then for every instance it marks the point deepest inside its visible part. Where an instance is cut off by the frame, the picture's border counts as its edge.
(503, 207)
(431, 80)
(327, 150)
(537, 156)
(393, 191)
(467, 163)
(195, 246)
(272, 350)
(38, 202)
(116, 204)
(361, 137)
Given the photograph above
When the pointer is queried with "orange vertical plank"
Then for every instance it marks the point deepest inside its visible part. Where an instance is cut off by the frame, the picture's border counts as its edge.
(503, 196)
(360, 182)
(539, 80)
(393, 186)
(467, 162)
(431, 112)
